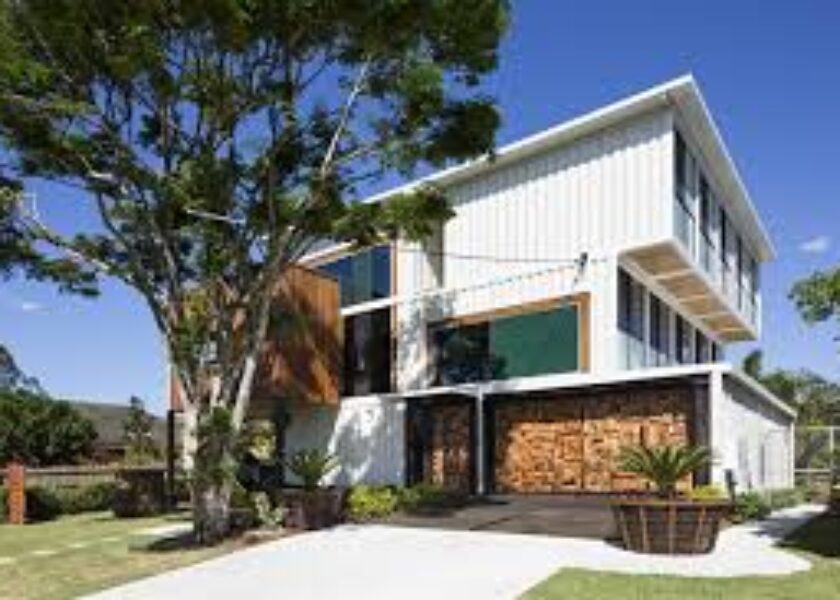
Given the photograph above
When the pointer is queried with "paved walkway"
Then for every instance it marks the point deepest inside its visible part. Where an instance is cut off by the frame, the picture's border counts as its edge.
(378, 561)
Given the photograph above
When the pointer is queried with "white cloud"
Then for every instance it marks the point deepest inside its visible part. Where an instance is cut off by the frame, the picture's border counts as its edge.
(817, 245)
(31, 307)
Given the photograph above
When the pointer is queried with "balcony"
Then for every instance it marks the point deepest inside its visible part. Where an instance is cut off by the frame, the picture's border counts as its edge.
(690, 267)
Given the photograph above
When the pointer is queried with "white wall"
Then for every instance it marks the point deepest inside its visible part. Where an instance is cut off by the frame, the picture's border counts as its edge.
(750, 437)
(599, 195)
(367, 435)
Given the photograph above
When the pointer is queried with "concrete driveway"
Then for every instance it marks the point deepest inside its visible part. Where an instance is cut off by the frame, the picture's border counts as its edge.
(378, 561)
(368, 562)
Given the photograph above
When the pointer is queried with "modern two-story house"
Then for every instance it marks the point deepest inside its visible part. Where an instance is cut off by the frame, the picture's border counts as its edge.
(581, 299)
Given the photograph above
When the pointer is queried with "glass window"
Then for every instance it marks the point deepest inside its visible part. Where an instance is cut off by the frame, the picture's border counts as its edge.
(702, 348)
(533, 343)
(680, 164)
(364, 276)
(631, 320)
(367, 353)
(683, 346)
(659, 323)
(462, 354)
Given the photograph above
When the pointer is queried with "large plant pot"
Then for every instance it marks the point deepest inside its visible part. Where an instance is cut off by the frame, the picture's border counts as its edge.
(314, 509)
(658, 526)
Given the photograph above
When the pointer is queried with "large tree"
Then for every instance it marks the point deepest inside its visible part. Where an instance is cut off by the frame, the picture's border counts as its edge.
(216, 141)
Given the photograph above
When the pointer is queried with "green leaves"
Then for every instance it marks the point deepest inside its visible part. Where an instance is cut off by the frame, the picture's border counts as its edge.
(41, 432)
(311, 466)
(664, 466)
(818, 296)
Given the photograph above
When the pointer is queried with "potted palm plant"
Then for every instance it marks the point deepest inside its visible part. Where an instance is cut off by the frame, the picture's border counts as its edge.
(312, 506)
(667, 522)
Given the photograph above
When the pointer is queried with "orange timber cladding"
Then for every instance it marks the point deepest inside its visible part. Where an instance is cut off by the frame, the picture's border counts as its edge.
(561, 442)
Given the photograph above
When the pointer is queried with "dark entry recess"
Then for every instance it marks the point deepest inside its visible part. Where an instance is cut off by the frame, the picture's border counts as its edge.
(440, 443)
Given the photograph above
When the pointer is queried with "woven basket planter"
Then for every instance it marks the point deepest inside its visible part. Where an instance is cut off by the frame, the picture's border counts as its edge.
(659, 526)
(315, 509)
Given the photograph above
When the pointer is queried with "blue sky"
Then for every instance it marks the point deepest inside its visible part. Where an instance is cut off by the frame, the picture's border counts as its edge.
(770, 74)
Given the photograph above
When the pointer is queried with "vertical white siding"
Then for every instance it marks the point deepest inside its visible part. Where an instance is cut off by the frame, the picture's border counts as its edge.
(598, 195)
(751, 438)
(366, 435)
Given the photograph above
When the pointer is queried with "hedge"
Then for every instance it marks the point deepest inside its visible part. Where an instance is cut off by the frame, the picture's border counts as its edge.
(47, 503)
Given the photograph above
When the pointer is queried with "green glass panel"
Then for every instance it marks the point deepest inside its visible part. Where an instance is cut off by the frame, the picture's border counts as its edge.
(535, 343)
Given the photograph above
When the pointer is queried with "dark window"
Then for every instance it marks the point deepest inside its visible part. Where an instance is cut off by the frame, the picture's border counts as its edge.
(462, 354)
(702, 347)
(364, 276)
(680, 167)
(367, 353)
(533, 343)
(631, 319)
(660, 332)
(683, 341)
(705, 208)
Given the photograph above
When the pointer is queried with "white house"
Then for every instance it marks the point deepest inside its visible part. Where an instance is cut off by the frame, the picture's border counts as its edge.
(581, 299)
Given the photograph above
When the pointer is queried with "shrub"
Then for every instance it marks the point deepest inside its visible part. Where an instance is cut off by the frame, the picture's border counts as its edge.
(4, 510)
(750, 506)
(139, 493)
(785, 498)
(424, 496)
(834, 500)
(311, 466)
(267, 513)
(708, 492)
(367, 502)
(663, 466)
(87, 498)
(42, 504)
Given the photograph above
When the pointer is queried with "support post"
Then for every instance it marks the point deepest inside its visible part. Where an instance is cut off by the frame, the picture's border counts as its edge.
(479, 438)
(171, 495)
(16, 490)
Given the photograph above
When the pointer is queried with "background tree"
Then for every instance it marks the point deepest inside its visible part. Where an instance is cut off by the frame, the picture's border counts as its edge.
(217, 141)
(818, 297)
(815, 398)
(752, 364)
(41, 432)
(12, 377)
(139, 438)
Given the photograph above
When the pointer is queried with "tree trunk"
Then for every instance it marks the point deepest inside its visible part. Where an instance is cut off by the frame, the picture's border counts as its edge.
(213, 477)
(211, 512)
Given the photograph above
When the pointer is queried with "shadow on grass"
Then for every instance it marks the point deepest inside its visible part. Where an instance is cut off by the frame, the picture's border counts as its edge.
(820, 536)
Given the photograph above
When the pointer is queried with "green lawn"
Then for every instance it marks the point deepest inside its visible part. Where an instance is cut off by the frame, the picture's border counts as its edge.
(113, 553)
(818, 541)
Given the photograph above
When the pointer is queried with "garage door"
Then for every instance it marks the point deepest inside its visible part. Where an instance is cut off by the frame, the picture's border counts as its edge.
(571, 443)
